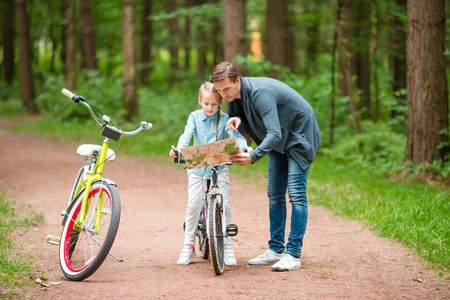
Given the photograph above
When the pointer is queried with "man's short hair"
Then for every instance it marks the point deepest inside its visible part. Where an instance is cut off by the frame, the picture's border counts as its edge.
(223, 70)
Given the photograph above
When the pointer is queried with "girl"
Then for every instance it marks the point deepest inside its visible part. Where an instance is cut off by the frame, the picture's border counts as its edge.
(206, 125)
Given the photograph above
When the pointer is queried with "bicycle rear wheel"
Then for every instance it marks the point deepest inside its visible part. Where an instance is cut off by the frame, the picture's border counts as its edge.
(84, 247)
(215, 234)
(203, 243)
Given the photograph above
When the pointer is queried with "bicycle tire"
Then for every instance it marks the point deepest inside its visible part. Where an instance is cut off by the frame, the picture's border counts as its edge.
(80, 254)
(215, 234)
(203, 243)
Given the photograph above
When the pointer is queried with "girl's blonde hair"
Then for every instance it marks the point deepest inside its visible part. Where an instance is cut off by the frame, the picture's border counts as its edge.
(208, 87)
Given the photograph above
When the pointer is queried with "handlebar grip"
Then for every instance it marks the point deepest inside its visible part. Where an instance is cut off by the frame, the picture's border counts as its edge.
(67, 93)
(178, 159)
(175, 160)
(149, 125)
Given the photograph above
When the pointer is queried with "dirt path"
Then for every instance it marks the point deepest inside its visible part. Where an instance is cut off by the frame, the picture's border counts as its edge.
(341, 259)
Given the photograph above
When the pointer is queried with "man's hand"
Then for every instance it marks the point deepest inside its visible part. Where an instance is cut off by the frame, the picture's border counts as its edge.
(233, 123)
(242, 159)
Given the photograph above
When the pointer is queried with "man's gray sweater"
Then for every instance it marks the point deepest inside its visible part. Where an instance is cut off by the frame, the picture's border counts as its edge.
(277, 118)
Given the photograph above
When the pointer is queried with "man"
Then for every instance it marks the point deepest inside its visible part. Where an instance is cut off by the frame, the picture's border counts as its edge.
(284, 127)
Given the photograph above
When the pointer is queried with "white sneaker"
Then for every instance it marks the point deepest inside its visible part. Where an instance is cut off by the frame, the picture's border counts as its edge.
(267, 258)
(287, 263)
(229, 258)
(186, 255)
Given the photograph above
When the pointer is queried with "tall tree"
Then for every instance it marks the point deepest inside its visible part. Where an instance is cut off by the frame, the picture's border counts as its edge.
(202, 43)
(25, 72)
(87, 36)
(234, 29)
(312, 29)
(8, 40)
(277, 32)
(217, 40)
(342, 9)
(427, 83)
(174, 29)
(361, 53)
(398, 64)
(354, 26)
(70, 43)
(147, 33)
(186, 34)
(129, 89)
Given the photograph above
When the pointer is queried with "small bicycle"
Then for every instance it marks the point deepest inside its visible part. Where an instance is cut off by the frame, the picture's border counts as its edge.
(212, 228)
(91, 219)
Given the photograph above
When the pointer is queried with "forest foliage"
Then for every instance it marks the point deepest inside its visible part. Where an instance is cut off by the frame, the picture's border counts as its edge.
(170, 93)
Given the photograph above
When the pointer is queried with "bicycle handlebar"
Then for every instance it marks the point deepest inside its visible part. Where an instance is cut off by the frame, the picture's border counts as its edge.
(79, 99)
(177, 159)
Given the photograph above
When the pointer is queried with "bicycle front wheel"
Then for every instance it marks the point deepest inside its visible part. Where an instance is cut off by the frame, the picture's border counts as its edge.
(85, 245)
(215, 234)
(203, 243)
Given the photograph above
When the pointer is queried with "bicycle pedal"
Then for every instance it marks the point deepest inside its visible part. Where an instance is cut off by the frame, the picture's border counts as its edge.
(232, 230)
(53, 239)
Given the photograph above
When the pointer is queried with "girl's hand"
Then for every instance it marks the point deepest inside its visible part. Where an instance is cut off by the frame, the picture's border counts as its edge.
(233, 123)
(172, 152)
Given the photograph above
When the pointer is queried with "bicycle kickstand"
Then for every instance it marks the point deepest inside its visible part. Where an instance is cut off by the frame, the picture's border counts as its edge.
(233, 238)
(118, 259)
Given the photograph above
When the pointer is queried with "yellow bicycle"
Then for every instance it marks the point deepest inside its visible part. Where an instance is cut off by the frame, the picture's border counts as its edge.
(91, 219)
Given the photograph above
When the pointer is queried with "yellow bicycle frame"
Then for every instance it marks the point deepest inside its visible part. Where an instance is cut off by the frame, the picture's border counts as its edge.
(98, 168)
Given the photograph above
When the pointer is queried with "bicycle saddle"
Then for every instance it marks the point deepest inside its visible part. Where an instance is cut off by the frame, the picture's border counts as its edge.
(89, 149)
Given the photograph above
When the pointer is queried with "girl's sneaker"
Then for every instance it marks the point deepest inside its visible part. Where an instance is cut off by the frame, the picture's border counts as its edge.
(186, 255)
(229, 258)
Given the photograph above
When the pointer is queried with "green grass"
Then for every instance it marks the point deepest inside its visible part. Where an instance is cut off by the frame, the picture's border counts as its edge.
(416, 214)
(15, 267)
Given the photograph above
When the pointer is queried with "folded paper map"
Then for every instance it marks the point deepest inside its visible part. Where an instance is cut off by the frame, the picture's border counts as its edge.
(210, 154)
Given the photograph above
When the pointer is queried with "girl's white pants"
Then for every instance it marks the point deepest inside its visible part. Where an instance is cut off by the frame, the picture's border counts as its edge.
(196, 190)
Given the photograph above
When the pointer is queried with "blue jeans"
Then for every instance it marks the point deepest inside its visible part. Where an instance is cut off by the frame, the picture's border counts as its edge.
(286, 174)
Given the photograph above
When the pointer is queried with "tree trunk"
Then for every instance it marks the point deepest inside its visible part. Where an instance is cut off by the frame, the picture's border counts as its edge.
(25, 72)
(217, 39)
(234, 30)
(129, 90)
(147, 33)
(361, 52)
(354, 26)
(186, 36)
(69, 37)
(276, 32)
(312, 30)
(201, 42)
(174, 37)
(427, 83)
(346, 31)
(8, 40)
(88, 36)
(345, 64)
(399, 58)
